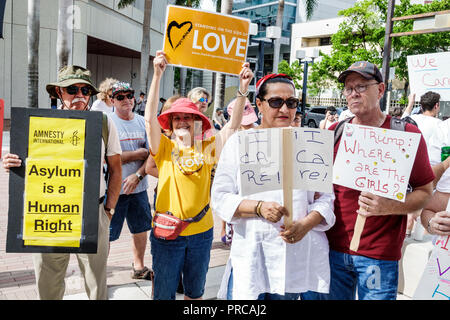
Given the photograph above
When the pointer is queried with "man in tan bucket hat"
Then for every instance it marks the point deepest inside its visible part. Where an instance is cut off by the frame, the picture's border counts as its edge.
(74, 88)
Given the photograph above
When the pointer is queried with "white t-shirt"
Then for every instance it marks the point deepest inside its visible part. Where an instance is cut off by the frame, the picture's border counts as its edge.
(113, 149)
(440, 137)
(426, 124)
(100, 105)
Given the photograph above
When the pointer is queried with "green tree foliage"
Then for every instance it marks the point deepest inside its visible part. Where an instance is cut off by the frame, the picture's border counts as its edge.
(361, 37)
(295, 71)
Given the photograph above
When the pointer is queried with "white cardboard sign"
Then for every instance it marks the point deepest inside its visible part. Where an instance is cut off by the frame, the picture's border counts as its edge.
(261, 159)
(430, 72)
(376, 160)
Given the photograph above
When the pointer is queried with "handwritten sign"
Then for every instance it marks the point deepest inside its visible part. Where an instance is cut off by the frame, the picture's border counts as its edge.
(205, 40)
(430, 72)
(376, 160)
(435, 281)
(261, 160)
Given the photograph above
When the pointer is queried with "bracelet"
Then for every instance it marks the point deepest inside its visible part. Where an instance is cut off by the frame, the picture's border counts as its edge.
(258, 209)
(240, 94)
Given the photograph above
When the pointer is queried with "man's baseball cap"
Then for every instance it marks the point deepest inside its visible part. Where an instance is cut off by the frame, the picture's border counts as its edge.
(121, 86)
(366, 69)
(70, 75)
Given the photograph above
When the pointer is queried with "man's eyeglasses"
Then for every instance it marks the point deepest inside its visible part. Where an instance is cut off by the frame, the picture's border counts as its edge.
(277, 102)
(360, 88)
(73, 90)
(203, 100)
(120, 97)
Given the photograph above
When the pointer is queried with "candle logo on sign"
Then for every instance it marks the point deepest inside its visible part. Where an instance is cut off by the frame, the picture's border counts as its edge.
(179, 32)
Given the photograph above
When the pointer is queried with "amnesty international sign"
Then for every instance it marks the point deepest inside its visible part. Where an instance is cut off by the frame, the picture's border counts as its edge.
(205, 40)
(57, 210)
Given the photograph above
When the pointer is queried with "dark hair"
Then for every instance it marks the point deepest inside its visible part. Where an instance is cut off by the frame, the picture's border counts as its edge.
(263, 89)
(429, 100)
(332, 109)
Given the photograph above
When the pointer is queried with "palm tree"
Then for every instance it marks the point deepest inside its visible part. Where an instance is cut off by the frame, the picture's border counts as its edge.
(33, 28)
(145, 46)
(183, 71)
(308, 6)
(65, 34)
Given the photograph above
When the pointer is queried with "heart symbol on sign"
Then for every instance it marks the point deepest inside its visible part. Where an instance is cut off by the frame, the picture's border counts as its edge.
(179, 33)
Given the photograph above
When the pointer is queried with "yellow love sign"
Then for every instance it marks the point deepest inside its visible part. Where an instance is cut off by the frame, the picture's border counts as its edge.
(205, 40)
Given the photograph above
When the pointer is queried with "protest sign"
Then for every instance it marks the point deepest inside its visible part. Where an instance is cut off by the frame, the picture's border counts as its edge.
(205, 40)
(376, 160)
(307, 158)
(49, 207)
(430, 72)
(435, 281)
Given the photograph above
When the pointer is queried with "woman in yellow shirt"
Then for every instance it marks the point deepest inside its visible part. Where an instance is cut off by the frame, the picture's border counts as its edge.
(185, 166)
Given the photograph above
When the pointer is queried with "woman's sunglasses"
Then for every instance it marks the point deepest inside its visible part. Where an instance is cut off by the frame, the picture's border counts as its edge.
(73, 90)
(203, 100)
(277, 103)
(120, 97)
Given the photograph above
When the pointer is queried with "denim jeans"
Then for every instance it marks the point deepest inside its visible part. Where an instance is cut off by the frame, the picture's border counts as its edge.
(262, 296)
(187, 255)
(373, 278)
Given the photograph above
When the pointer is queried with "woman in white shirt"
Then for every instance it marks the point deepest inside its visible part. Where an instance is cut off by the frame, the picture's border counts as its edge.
(267, 259)
(104, 102)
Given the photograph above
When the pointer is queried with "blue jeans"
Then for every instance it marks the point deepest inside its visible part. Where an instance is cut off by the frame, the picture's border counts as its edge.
(262, 296)
(373, 278)
(136, 209)
(186, 254)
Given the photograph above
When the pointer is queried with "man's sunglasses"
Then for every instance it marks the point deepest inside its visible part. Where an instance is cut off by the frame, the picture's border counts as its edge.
(203, 99)
(120, 97)
(277, 103)
(73, 90)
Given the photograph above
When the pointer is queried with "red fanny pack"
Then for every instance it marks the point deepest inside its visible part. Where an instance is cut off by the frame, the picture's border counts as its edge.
(168, 227)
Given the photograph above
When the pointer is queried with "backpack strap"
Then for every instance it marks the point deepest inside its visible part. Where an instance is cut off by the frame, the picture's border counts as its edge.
(398, 124)
(339, 128)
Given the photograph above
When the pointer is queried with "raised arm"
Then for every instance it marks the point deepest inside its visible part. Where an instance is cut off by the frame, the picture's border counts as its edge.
(152, 125)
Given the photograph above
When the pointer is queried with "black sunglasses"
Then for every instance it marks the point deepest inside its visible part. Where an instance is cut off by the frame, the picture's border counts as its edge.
(120, 97)
(73, 90)
(277, 103)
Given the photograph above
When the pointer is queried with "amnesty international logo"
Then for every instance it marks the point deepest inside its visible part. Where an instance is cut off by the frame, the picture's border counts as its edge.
(74, 139)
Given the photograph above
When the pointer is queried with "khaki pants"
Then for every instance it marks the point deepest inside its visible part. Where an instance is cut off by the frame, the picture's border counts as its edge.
(50, 268)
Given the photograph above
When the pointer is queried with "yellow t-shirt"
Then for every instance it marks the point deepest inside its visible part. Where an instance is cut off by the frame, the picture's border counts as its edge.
(185, 180)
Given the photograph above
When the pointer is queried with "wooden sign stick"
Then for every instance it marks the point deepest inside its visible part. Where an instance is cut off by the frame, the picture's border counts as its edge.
(287, 173)
(359, 226)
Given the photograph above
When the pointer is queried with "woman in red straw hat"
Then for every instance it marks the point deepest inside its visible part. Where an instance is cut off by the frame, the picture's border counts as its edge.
(185, 166)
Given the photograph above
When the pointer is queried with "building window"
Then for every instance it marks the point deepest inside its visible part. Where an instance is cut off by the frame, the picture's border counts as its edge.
(325, 41)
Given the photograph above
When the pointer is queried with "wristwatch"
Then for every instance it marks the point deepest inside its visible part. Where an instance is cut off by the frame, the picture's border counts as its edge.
(140, 176)
(110, 210)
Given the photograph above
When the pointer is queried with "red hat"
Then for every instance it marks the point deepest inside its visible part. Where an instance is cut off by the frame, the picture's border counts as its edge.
(183, 105)
(271, 76)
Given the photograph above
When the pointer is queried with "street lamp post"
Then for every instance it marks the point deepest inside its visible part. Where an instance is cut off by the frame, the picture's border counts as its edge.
(301, 55)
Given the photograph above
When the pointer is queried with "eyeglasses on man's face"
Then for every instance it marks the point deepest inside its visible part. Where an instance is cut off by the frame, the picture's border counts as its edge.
(120, 97)
(73, 90)
(360, 88)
